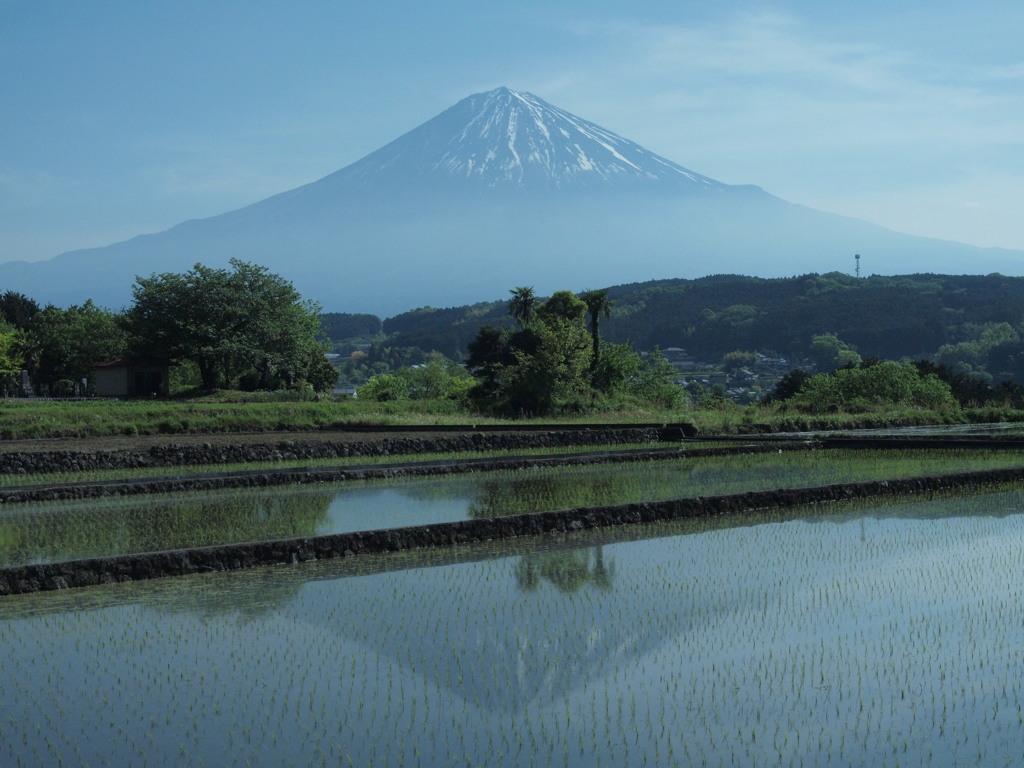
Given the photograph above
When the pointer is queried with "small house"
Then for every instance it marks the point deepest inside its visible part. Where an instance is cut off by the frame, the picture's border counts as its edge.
(122, 378)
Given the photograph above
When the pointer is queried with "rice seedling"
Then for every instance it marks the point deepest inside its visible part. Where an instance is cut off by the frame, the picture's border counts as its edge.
(52, 531)
(883, 634)
(8, 480)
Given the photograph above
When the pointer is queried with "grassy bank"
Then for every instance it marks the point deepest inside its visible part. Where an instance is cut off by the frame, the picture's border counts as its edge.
(27, 419)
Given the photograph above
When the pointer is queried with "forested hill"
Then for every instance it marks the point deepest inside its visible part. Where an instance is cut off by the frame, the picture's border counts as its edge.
(884, 317)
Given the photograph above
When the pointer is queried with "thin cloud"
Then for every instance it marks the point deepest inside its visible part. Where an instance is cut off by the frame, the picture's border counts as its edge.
(762, 46)
(769, 71)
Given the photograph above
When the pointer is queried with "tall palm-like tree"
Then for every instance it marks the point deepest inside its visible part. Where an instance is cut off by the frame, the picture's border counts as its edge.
(523, 305)
(598, 306)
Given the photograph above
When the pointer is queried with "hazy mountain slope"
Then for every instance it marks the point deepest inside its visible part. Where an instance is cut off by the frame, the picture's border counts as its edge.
(500, 190)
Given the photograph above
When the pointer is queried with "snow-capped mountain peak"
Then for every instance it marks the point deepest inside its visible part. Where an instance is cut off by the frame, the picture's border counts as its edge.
(512, 140)
(501, 189)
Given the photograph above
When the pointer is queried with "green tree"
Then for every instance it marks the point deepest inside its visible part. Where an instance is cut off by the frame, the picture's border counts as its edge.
(18, 309)
(1006, 361)
(554, 374)
(879, 385)
(10, 356)
(990, 351)
(998, 333)
(67, 343)
(438, 378)
(732, 362)
(229, 322)
(342, 325)
(562, 306)
(384, 387)
(522, 305)
(318, 373)
(552, 358)
(618, 368)
(656, 382)
(969, 391)
(788, 386)
(540, 367)
(490, 354)
(828, 352)
(598, 306)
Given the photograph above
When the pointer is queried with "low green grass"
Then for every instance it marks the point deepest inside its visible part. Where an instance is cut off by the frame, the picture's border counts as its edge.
(26, 419)
(226, 413)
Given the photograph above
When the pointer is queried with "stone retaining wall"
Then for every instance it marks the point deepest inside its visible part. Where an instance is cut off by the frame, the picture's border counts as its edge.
(262, 478)
(176, 454)
(80, 573)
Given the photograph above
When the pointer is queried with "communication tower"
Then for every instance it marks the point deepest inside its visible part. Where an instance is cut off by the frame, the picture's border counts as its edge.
(856, 256)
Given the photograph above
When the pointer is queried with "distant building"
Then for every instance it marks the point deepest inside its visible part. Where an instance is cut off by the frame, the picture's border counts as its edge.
(122, 378)
(676, 355)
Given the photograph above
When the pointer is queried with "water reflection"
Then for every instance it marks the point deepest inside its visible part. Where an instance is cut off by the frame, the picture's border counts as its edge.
(569, 571)
(703, 642)
(61, 531)
(50, 532)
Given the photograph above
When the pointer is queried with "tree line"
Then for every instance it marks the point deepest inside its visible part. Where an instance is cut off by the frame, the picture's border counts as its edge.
(240, 327)
(972, 323)
(553, 360)
(244, 328)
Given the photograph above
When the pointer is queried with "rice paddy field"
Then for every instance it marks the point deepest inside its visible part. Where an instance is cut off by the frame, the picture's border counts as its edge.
(58, 531)
(870, 634)
(136, 473)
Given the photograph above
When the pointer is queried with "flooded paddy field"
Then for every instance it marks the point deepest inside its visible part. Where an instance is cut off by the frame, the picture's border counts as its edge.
(59, 531)
(881, 633)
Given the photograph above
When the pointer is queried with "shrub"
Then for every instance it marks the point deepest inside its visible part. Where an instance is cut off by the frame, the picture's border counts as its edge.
(63, 388)
(384, 387)
(878, 385)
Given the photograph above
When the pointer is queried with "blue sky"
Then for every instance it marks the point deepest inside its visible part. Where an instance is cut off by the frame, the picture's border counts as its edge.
(122, 118)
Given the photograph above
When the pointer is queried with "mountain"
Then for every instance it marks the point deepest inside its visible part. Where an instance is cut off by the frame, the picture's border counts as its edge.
(508, 142)
(500, 190)
(888, 317)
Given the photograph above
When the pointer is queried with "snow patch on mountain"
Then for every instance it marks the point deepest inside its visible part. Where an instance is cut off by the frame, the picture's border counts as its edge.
(501, 189)
(513, 140)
